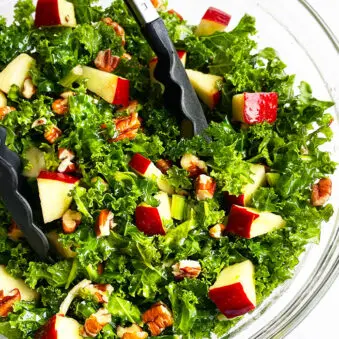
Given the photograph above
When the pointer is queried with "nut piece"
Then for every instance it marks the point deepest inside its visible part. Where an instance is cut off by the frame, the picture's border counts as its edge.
(321, 192)
(70, 221)
(60, 106)
(193, 165)
(64, 153)
(14, 232)
(67, 166)
(157, 318)
(217, 231)
(39, 122)
(106, 62)
(7, 302)
(204, 187)
(96, 322)
(100, 291)
(5, 110)
(28, 88)
(52, 134)
(104, 224)
(117, 28)
(186, 269)
(130, 134)
(126, 56)
(132, 332)
(127, 127)
(164, 165)
(131, 108)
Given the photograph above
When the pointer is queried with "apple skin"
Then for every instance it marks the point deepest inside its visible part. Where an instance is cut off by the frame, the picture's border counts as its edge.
(214, 20)
(249, 222)
(148, 220)
(58, 176)
(54, 13)
(121, 96)
(144, 167)
(254, 108)
(234, 290)
(206, 86)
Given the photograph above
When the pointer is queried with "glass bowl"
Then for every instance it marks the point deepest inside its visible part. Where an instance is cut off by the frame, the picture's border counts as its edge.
(311, 51)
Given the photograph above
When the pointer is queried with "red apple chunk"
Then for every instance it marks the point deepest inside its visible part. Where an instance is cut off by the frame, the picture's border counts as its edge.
(254, 108)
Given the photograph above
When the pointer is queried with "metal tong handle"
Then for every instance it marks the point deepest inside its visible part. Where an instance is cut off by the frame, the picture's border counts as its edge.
(15, 203)
(180, 97)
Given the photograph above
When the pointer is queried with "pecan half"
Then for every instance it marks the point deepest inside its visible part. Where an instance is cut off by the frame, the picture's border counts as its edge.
(14, 232)
(204, 187)
(105, 222)
(28, 88)
(70, 221)
(7, 302)
(193, 165)
(132, 332)
(157, 318)
(117, 28)
(96, 322)
(106, 62)
(321, 192)
(5, 110)
(60, 106)
(127, 127)
(186, 269)
(52, 134)
(217, 231)
(164, 165)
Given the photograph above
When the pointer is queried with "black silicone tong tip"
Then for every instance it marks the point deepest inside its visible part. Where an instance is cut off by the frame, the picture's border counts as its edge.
(16, 204)
(179, 96)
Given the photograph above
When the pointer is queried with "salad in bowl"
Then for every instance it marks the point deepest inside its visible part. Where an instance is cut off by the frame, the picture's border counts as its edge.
(152, 234)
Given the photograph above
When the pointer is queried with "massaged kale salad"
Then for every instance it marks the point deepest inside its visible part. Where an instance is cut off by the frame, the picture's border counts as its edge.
(152, 234)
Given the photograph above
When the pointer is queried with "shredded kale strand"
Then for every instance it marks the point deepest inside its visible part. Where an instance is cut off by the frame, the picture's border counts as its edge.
(139, 267)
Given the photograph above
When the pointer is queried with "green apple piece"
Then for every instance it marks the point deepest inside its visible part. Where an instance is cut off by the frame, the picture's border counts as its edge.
(36, 161)
(164, 207)
(272, 178)
(164, 185)
(73, 76)
(267, 222)
(8, 283)
(64, 252)
(178, 207)
(16, 72)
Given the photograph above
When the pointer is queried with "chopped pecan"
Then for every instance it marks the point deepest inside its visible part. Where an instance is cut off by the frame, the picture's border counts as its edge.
(100, 291)
(67, 166)
(131, 108)
(7, 302)
(14, 232)
(186, 269)
(70, 221)
(96, 322)
(157, 318)
(60, 106)
(217, 231)
(64, 153)
(164, 165)
(52, 134)
(132, 332)
(105, 222)
(130, 134)
(127, 127)
(28, 88)
(5, 110)
(321, 192)
(39, 122)
(106, 62)
(117, 28)
(204, 187)
(193, 165)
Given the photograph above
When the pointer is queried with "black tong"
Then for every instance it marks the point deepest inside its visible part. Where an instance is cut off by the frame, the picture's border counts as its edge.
(179, 96)
(16, 204)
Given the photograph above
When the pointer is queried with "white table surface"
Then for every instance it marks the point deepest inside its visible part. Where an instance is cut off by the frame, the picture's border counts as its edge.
(323, 321)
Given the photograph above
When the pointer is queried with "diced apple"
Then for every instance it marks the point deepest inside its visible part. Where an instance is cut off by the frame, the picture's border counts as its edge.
(36, 161)
(16, 72)
(234, 290)
(3, 100)
(272, 178)
(55, 13)
(59, 327)
(153, 63)
(54, 192)
(259, 178)
(144, 166)
(8, 283)
(150, 220)
(214, 20)
(254, 108)
(249, 222)
(206, 86)
(65, 252)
